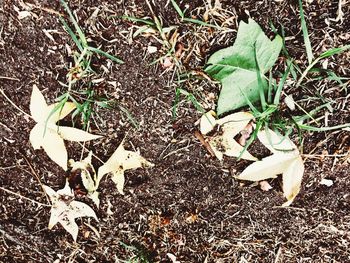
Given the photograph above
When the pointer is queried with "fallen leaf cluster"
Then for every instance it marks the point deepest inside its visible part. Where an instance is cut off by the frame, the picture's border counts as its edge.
(50, 136)
(285, 158)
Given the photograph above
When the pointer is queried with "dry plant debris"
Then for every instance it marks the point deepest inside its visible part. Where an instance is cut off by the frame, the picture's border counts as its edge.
(47, 134)
(286, 160)
(224, 143)
(65, 210)
(120, 161)
(87, 173)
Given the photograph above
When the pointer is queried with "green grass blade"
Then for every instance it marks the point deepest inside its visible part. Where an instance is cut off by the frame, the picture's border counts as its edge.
(199, 22)
(71, 33)
(59, 107)
(277, 98)
(334, 51)
(176, 102)
(307, 42)
(105, 54)
(75, 23)
(328, 53)
(322, 129)
(178, 9)
(261, 84)
(130, 117)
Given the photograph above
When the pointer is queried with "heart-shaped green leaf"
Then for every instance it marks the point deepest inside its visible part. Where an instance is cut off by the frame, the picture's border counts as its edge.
(237, 67)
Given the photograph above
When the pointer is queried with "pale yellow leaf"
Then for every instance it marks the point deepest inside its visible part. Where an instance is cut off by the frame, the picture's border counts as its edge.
(276, 143)
(292, 178)
(88, 176)
(70, 226)
(60, 113)
(80, 209)
(38, 106)
(269, 167)
(120, 161)
(36, 136)
(76, 135)
(87, 180)
(64, 210)
(207, 122)
(225, 143)
(54, 146)
(119, 179)
(239, 117)
(94, 196)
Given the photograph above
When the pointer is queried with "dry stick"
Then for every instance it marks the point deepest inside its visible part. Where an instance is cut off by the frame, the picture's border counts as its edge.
(85, 149)
(323, 155)
(207, 146)
(23, 197)
(37, 177)
(13, 104)
(8, 78)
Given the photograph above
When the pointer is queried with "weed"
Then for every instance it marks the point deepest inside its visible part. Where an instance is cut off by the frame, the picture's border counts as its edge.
(80, 74)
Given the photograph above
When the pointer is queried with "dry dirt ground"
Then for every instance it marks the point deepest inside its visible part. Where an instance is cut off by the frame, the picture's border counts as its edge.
(188, 204)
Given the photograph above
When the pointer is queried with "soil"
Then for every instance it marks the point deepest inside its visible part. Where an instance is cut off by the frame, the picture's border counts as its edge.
(188, 204)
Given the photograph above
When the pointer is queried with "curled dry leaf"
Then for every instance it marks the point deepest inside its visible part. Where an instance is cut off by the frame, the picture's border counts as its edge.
(231, 125)
(286, 160)
(47, 134)
(65, 209)
(120, 161)
(88, 177)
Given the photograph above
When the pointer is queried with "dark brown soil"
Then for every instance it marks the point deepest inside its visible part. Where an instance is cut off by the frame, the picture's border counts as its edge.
(188, 204)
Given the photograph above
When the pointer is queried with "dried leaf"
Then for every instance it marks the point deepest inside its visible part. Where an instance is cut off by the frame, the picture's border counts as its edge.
(76, 135)
(120, 161)
(276, 143)
(47, 134)
(268, 167)
(207, 122)
(88, 177)
(65, 210)
(286, 160)
(292, 178)
(225, 144)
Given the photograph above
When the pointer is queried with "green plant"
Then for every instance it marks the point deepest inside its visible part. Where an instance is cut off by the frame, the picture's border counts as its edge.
(190, 20)
(80, 89)
(241, 68)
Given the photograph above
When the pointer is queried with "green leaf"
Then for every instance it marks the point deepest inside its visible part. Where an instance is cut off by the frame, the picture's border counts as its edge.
(236, 67)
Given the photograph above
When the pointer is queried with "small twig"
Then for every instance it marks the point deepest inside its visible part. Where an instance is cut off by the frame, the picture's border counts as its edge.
(37, 177)
(23, 197)
(207, 146)
(9, 78)
(87, 150)
(323, 155)
(13, 104)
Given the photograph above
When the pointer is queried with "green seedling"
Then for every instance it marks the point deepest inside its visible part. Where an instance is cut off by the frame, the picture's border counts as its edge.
(190, 20)
(189, 97)
(80, 39)
(140, 255)
(85, 99)
(167, 35)
(307, 42)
